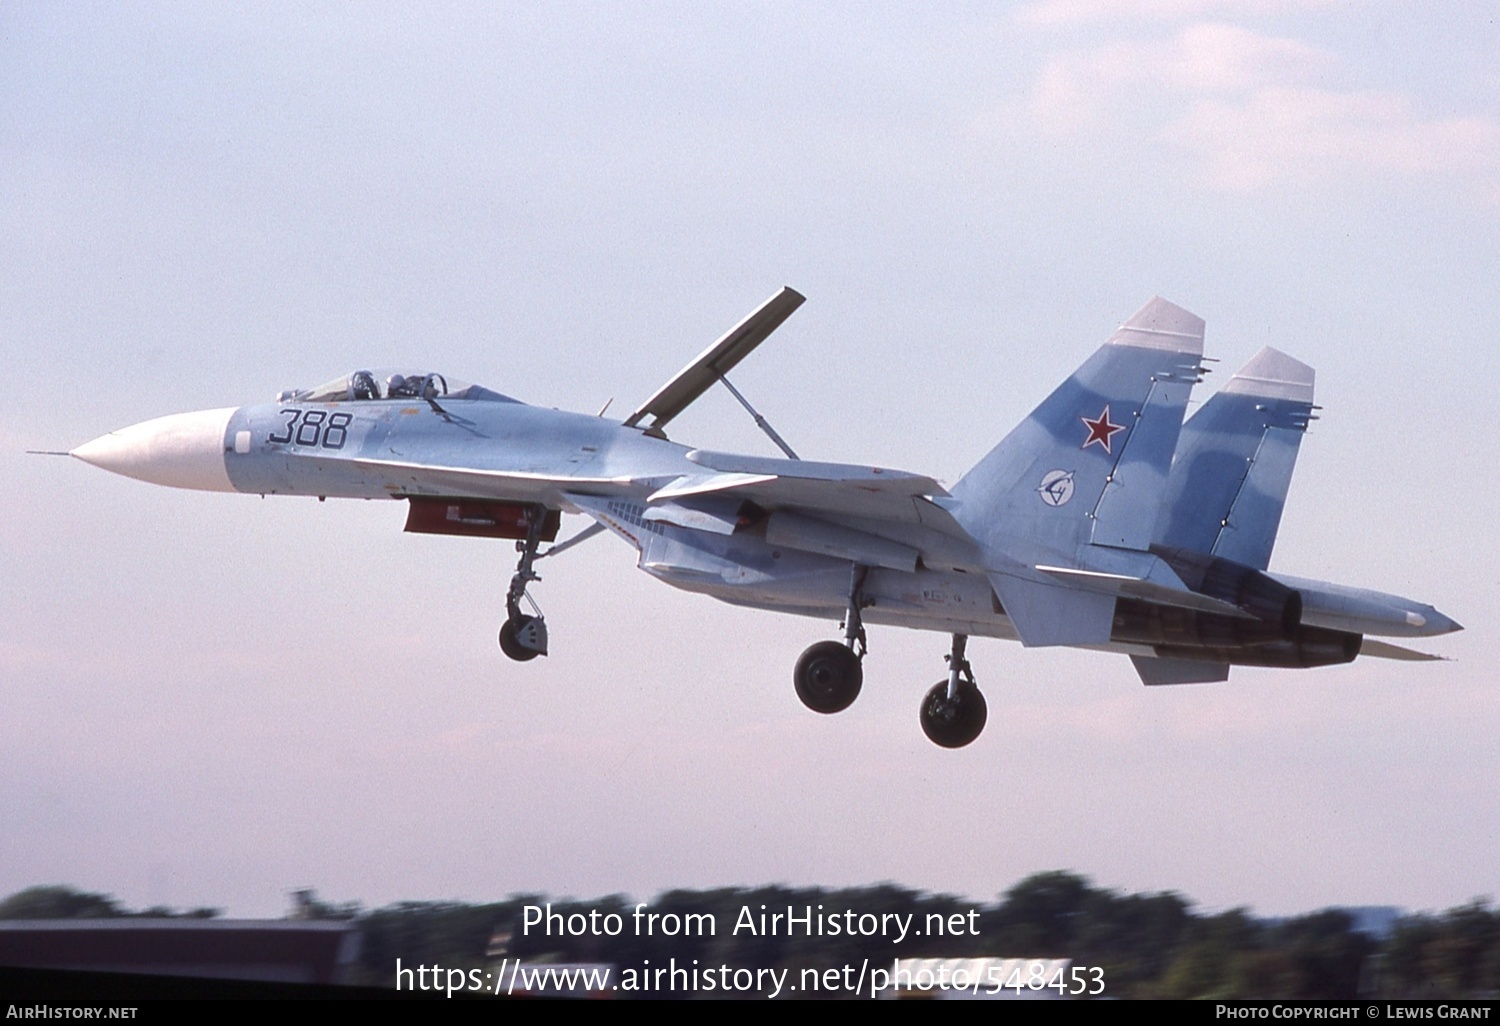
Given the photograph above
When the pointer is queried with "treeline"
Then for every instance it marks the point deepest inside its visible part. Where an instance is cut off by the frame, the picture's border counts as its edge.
(67, 903)
(1149, 945)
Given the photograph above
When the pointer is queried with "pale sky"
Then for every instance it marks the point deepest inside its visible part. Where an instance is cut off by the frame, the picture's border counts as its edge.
(213, 699)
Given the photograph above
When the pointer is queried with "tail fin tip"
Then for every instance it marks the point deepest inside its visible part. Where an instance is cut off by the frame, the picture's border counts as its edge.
(1161, 325)
(1272, 374)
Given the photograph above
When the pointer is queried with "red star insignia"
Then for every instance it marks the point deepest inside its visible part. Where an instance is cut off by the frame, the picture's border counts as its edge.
(1101, 431)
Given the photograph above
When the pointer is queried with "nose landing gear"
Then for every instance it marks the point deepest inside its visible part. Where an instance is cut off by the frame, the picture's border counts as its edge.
(523, 636)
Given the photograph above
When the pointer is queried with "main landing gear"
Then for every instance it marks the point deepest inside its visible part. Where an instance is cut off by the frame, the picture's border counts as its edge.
(953, 711)
(829, 674)
(523, 636)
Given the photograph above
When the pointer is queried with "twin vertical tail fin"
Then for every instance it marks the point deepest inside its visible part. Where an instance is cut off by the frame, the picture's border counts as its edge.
(1234, 464)
(1229, 483)
(1104, 519)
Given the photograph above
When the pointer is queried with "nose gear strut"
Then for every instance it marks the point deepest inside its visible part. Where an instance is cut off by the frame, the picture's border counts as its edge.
(523, 636)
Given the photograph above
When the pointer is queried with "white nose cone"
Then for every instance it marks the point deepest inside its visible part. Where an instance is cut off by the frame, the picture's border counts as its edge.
(185, 450)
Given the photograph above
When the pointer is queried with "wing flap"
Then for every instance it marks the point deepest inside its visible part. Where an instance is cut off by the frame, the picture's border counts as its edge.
(796, 531)
(870, 515)
(820, 489)
(819, 498)
(689, 486)
(713, 517)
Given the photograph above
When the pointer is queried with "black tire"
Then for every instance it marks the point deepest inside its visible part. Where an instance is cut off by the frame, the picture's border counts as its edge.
(828, 677)
(511, 645)
(956, 722)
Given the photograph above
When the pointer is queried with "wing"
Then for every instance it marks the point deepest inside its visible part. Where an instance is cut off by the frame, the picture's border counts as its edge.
(404, 479)
(870, 515)
(830, 487)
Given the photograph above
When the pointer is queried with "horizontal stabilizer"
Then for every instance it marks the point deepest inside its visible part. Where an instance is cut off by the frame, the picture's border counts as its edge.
(1363, 611)
(1179, 671)
(716, 361)
(1046, 614)
(1143, 588)
(1386, 650)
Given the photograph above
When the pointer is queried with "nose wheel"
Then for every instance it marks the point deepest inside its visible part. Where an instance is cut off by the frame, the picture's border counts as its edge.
(954, 710)
(523, 636)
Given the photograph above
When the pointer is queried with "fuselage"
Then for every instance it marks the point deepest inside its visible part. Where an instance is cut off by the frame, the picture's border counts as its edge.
(403, 449)
(495, 448)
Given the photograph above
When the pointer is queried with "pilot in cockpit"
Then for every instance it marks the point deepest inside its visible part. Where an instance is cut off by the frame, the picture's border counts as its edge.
(363, 386)
(415, 386)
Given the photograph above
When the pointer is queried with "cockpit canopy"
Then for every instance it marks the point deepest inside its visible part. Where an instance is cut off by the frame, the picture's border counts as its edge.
(386, 383)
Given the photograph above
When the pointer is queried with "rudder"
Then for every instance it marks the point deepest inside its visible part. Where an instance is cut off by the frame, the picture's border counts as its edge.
(1228, 485)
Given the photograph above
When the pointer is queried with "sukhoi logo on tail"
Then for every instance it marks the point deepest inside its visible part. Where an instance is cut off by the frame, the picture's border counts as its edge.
(1056, 488)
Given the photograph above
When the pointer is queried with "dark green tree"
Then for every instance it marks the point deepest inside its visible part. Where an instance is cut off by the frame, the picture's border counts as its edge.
(59, 902)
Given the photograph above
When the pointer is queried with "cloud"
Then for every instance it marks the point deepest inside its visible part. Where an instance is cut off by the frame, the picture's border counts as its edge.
(1310, 134)
(1060, 13)
(1080, 87)
(1254, 110)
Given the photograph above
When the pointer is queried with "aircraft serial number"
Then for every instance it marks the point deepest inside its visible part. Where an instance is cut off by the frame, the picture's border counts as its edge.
(313, 428)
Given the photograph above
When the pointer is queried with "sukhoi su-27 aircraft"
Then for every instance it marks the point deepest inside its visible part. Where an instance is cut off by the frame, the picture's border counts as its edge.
(1102, 521)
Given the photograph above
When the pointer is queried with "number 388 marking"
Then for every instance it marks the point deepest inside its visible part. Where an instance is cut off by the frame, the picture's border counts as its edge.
(313, 427)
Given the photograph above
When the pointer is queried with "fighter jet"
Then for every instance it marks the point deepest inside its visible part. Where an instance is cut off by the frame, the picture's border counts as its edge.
(1102, 521)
